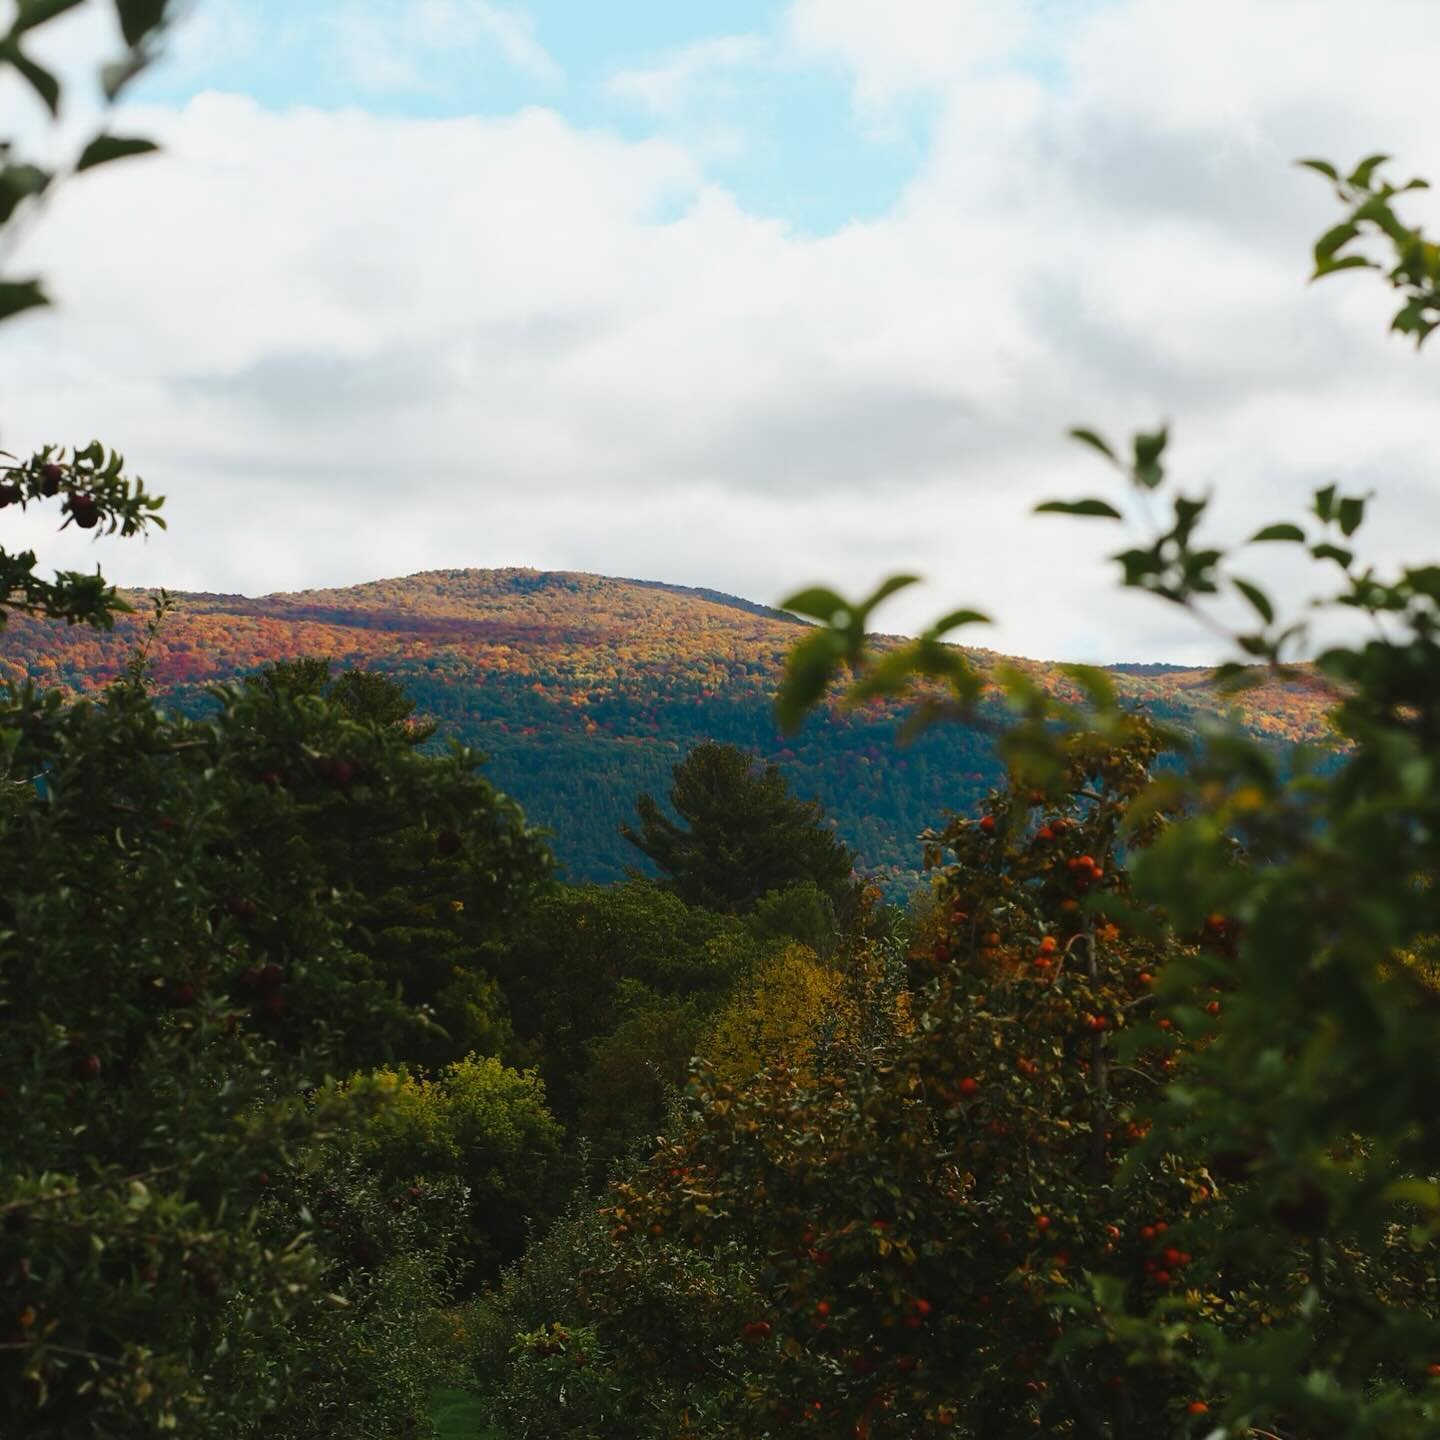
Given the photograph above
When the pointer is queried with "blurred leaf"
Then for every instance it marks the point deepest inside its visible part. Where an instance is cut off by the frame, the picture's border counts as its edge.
(1278, 532)
(1349, 262)
(45, 85)
(1333, 239)
(809, 668)
(886, 589)
(104, 148)
(817, 602)
(18, 295)
(954, 620)
(1362, 173)
(1257, 598)
(139, 17)
(1323, 166)
(1099, 508)
(37, 12)
(1352, 515)
(1090, 438)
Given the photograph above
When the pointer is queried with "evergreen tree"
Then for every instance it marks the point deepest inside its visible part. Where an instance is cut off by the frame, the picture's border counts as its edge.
(747, 835)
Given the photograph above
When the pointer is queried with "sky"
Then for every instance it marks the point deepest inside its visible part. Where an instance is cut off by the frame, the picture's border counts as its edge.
(747, 295)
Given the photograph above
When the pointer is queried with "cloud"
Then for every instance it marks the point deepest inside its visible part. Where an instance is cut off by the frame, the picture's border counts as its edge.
(672, 85)
(349, 345)
(415, 50)
(915, 45)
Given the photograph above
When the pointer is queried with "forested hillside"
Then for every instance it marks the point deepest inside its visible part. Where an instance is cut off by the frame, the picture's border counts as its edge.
(584, 690)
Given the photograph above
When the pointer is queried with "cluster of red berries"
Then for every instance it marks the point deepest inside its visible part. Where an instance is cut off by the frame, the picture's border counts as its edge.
(1164, 1267)
(1084, 872)
(83, 507)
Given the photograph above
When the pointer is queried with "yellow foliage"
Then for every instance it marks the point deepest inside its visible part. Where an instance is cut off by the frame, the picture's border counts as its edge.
(776, 1015)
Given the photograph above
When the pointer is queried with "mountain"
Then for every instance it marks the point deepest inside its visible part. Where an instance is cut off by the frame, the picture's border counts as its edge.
(584, 690)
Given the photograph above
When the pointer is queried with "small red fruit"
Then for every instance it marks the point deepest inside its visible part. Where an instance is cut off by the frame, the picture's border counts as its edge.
(9, 494)
(1162, 1277)
(1172, 1257)
(822, 1308)
(50, 477)
(271, 779)
(756, 1330)
(1147, 1232)
(1042, 1222)
(1049, 945)
(87, 1067)
(1197, 1407)
(987, 824)
(1213, 1008)
(84, 509)
(969, 1085)
(448, 842)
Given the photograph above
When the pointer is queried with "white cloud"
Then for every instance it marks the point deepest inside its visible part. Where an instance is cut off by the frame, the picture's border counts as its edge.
(414, 50)
(348, 346)
(910, 44)
(673, 84)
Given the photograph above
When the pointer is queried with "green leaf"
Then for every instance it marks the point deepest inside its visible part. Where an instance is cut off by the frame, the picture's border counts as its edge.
(105, 148)
(44, 84)
(18, 295)
(886, 589)
(1149, 448)
(1352, 514)
(1348, 262)
(1325, 503)
(1332, 552)
(1090, 438)
(1278, 532)
(1378, 212)
(1324, 167)
(1257, 598)
(817, 602)
(139, 17)
(18, 183)
(954, 620)
(809, 669)
(1098, 508)
(1333, 239)
(1362, 173)
(37, 12)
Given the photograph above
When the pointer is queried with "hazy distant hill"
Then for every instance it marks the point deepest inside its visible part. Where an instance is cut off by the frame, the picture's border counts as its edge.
(584, 690)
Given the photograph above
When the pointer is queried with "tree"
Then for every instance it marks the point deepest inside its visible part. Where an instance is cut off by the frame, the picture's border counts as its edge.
(362, 694)
(88, 483)
(190, 937)
(746, 836)
(1311, 884)
(864, 1234)
(587, 964)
